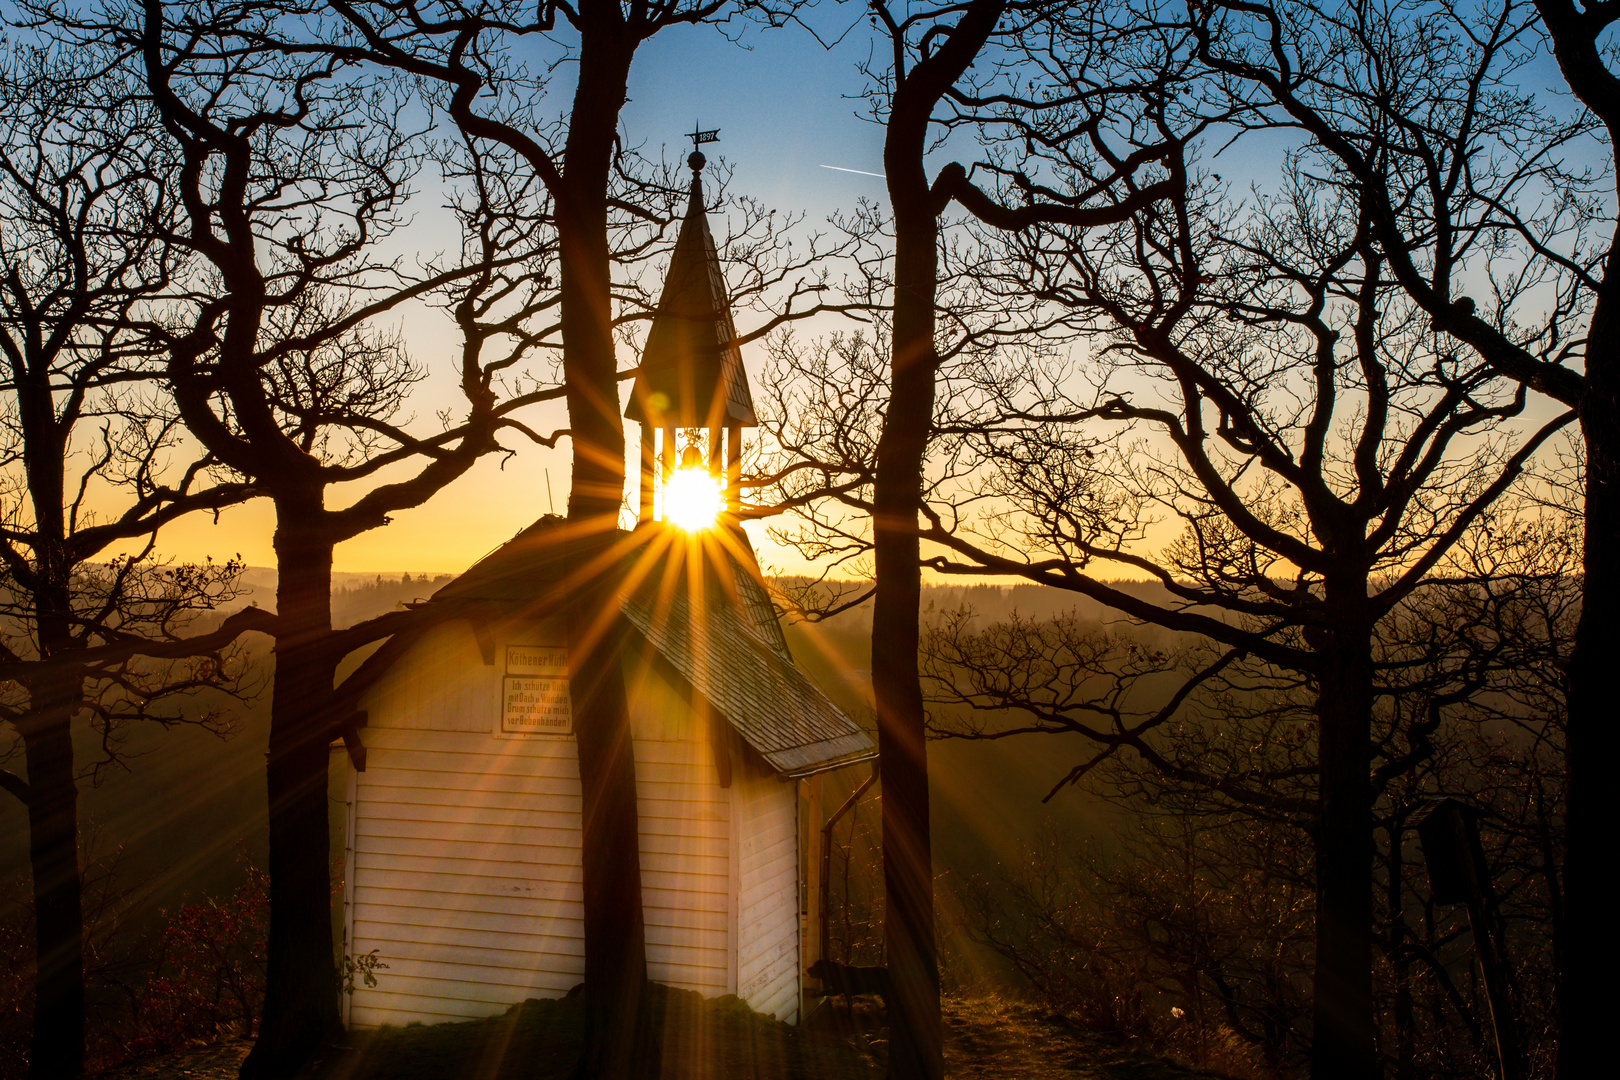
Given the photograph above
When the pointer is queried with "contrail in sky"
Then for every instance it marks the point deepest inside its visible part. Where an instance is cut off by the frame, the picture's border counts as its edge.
(862, 172)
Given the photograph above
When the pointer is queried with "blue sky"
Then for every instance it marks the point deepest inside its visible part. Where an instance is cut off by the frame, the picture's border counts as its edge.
(785, 106)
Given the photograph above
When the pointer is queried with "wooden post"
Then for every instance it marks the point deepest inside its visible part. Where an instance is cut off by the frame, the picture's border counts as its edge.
(350, 814)
(734, 796)
(814, 934)
(734, 469)
(826, 843)
(649, 473)
(1449, 832)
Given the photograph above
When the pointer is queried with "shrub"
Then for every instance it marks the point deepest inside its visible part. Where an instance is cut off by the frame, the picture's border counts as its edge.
(209, 978)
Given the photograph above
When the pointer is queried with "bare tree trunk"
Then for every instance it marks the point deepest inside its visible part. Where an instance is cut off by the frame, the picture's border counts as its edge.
(1400, 955)
(301, 988)
(615, 932)
(1342, 1045)
(616, 1023)
(915, 1046)
(56, 1048)
(1592, 740)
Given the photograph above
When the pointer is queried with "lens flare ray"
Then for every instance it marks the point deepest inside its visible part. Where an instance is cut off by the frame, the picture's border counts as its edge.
(693, 499)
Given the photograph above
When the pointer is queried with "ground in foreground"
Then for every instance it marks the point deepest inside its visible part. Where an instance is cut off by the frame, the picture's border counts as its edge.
(714, 1039)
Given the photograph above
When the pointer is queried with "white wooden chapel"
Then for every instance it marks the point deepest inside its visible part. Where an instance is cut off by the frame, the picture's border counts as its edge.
(463, 805)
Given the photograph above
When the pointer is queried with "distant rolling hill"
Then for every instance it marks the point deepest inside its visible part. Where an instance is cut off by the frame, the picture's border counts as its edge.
(184, 804)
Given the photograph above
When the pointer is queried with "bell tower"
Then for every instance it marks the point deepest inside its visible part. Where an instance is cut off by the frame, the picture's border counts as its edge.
(691, 373)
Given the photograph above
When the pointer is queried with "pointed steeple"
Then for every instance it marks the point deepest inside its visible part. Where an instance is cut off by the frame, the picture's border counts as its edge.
(691, 369)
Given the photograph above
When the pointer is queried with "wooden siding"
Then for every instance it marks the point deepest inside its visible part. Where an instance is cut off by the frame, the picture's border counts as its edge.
(465, 846)
(444, 684)
(768, 907)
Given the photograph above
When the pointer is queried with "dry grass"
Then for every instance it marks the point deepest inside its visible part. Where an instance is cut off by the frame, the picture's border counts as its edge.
(713, 1039)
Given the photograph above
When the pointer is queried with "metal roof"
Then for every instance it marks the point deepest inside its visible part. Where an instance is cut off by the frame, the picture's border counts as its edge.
(727, 645)
(731, 650)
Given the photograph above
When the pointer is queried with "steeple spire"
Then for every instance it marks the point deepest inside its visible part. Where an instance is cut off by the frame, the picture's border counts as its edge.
(691, 369)
(696, 161)
(694, 200)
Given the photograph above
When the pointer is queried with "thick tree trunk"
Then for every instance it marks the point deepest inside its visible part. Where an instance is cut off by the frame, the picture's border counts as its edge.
(617, 1032)
(301, 988)
(1343, 1045)
(916, 1045)
(56, 1046)
(915, 1038)
(615, 931)
(56, 1049)
(1581, 42)
(1592, 738)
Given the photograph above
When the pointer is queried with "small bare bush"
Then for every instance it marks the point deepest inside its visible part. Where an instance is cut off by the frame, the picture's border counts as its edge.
(209, 978)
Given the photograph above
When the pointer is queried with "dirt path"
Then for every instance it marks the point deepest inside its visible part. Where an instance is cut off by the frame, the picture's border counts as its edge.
(995, 1039)
(986, 1039)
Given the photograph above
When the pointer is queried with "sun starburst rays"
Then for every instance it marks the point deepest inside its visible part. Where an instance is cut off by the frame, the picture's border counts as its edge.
(693, 499)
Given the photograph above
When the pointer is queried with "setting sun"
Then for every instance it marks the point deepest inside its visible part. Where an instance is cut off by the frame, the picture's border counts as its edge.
(692, 499)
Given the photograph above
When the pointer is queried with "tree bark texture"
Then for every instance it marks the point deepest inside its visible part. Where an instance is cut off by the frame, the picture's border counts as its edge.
(56, 1047)
(617, 1031)
(1592, 738)
(1343, 1045)
(301, 986)
(916, 1046)
(915, 1038)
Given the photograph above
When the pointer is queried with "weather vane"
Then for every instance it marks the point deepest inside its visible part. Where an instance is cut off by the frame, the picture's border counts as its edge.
(699, 137)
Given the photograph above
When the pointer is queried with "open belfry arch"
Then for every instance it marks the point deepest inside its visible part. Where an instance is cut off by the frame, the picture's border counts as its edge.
(463, 799)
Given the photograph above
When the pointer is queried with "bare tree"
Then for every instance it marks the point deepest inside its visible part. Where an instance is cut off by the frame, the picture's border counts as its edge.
(1494, 211)
(1469, 703)
(93, 464)
(1322, 448)
(1090, 130)
(291, 174)
(1269, 384)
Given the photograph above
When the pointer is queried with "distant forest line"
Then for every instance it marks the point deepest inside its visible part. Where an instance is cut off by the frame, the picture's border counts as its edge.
(1030, 891)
